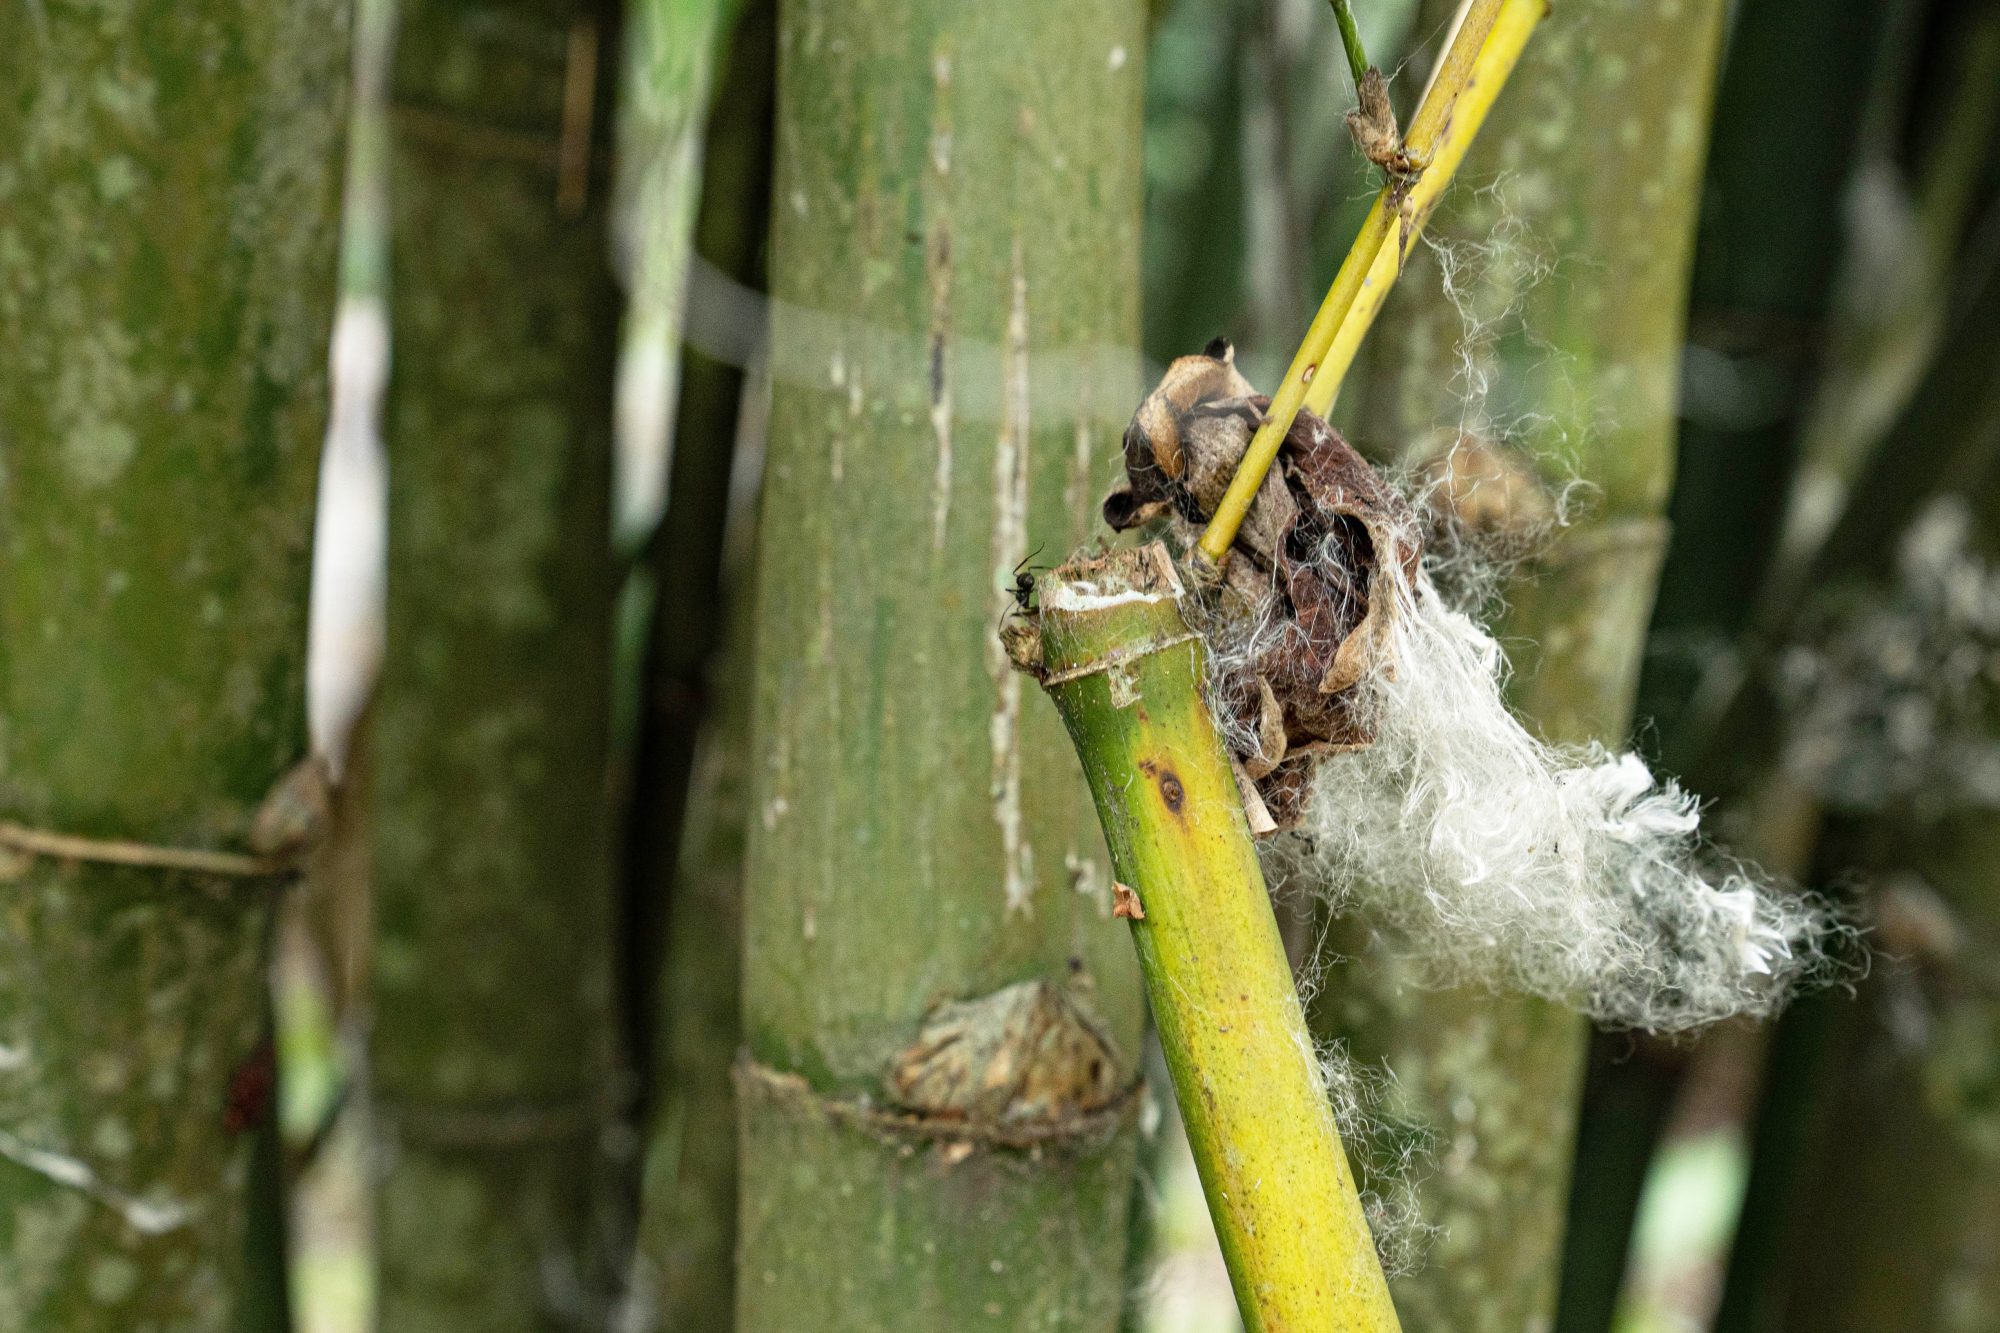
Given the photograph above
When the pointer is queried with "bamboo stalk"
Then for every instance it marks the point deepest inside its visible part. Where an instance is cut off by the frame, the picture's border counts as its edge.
(1125, 671)
(672, 51)
(1877, 1144)
(169, 217)
(1350, 41)
(1785, 1261)
(1475, 68)
(1796, 81)
(691, 782)
(920, 851)
(1580, 390)
(491, 1039)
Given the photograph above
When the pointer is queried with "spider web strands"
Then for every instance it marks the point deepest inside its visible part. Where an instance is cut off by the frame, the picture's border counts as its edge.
(1475, 67)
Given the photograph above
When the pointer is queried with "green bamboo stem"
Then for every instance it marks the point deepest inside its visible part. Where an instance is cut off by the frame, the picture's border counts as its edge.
(671, 483)
(684, 562)
(1897, 1170)
(663, 111)
(1891, 1125)
(1886, 335)
(1125, 672)
(1787, 122)
(1597, 149)
(686, 1272)
(1765, 275)
(917, 833)
(169, 210)
(1847, 354)
(492, 1025)
(1350, 41)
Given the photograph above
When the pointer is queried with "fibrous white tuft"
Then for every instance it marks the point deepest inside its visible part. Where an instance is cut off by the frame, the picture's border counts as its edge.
(1569, 872)
(1390, 1151)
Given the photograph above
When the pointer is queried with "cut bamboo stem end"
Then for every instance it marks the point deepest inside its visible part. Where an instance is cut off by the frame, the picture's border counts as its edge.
(1125, 672)
(1476, 66)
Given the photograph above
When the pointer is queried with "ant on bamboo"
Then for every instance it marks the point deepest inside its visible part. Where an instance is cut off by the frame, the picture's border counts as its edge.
(1024, 584)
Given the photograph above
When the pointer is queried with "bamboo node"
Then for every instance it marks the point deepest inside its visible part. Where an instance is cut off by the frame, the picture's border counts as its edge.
(1081, 1131)
(1115, 663)
(1372, 123)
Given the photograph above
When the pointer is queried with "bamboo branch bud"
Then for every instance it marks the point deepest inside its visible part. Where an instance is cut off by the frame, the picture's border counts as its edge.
(1125, 671)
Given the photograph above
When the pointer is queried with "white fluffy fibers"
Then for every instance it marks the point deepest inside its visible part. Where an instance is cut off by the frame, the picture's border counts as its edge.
(1567, 872)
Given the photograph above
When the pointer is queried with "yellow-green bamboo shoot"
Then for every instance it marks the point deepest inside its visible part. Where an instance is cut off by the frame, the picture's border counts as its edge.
(1126, 673)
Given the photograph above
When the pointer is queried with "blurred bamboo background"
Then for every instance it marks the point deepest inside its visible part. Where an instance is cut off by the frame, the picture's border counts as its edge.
(1733, 267)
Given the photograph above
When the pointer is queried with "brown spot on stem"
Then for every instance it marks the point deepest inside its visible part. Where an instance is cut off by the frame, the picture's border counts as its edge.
(1172, 792)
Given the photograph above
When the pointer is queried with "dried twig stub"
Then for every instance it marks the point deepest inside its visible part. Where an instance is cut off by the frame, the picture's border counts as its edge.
(1299, 617)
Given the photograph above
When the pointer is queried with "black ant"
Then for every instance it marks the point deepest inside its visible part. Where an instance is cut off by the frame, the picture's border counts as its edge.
(1024, 582)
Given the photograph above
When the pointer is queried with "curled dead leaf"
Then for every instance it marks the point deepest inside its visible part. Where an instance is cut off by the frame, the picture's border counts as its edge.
(1310, 584)
(1373, 124)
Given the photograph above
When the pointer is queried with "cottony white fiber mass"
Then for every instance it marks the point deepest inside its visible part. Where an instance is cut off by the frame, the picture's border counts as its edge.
(1568, 872)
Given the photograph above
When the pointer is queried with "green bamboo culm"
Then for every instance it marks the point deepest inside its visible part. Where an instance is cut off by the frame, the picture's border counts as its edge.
(670, 488)
(1596, 151)
(685, 1271)
(1909, 1126)
(922, 859)
(669, 82)
(492, 1013)
(1126, 674)
(169, 210)
(1760, 291)
(1864, 1111)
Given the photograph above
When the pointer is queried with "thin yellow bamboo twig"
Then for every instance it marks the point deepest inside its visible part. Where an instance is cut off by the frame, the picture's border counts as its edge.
(1476, 66)
(1502, 49)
